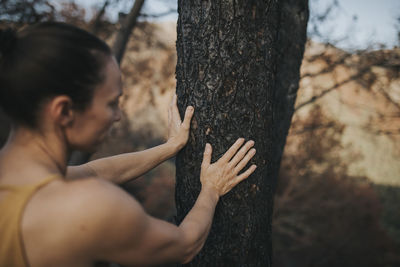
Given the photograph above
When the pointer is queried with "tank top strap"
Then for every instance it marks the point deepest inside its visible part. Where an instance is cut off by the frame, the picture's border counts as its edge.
(7, 187)
(47, 180)
(12, 249)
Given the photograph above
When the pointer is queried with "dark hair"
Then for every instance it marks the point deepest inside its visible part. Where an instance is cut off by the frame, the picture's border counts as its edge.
(46, 60)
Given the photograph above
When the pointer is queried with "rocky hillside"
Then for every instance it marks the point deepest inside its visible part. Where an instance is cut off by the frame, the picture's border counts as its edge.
(362, 92)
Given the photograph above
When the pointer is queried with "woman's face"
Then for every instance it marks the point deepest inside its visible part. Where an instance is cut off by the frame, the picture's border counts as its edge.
(91, 126)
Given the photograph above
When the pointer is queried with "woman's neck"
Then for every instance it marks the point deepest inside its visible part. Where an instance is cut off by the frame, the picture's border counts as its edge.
(40, 149)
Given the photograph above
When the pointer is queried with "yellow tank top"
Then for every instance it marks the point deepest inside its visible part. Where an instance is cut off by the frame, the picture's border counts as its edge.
(12, 251)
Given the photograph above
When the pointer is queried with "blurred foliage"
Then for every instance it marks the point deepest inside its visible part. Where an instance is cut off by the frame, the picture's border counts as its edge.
(322, 216)
(26, 11)
(390, 199)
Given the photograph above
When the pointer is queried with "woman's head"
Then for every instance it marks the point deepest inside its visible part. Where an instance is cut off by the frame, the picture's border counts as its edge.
(46, 60)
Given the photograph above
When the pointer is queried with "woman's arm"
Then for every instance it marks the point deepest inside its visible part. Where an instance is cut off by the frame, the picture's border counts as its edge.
(134, 238)
(124, 167)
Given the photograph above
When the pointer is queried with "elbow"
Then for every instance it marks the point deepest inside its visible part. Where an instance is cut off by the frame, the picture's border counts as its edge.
(190, 248)
(186, 260)
(188, 257)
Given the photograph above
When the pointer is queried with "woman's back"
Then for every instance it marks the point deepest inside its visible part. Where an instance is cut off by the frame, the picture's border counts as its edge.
(51, 222)
(34, 226)
(13, 200)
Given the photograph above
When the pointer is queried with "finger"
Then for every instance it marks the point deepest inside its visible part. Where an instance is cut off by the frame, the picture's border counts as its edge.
(245, 160)
(173, 100)
(207, 156)
(172, 103)
(232, 150)
(242, 152)
(188, 117)
(245, 174)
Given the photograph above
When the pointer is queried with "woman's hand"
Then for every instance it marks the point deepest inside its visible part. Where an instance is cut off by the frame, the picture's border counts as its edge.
(223, 175)
(178, 131)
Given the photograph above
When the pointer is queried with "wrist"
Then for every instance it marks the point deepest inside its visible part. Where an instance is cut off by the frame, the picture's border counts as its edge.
(211, 192)
(173, 147)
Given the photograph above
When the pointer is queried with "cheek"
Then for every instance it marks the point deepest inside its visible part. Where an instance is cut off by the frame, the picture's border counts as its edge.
(101, 120)
(108, 119)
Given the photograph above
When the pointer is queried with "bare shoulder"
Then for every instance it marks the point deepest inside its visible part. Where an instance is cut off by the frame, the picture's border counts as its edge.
(78, 197)
(95, 193)
(80, 219)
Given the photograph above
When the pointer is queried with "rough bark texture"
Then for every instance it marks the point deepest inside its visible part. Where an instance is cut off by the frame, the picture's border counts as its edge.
(238, 64)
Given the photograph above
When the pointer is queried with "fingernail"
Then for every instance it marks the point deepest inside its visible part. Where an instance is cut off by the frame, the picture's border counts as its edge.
(190, 108)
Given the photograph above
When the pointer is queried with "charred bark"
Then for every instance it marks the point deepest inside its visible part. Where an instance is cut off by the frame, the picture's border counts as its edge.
(238, 64)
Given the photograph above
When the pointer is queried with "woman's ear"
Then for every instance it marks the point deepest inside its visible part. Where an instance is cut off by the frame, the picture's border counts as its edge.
(61, 110)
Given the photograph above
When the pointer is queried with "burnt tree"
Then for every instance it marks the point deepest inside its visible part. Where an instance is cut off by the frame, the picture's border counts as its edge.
(238, 64)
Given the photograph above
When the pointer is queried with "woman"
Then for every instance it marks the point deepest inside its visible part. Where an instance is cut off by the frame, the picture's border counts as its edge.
(60, 86)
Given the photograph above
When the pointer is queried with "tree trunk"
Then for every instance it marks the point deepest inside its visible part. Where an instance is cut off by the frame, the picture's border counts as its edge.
(238, 64)
(125, 31)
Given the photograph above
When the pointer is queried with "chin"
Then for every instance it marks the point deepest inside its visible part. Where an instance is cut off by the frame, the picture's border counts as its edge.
(87, 148)
(93, 147)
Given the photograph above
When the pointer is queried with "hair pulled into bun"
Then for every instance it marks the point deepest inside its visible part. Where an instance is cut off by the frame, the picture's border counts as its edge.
(44, 60)
(8, 38)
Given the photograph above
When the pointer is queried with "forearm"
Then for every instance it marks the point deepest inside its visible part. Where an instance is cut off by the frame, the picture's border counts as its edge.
(124, 167)
(197, 224)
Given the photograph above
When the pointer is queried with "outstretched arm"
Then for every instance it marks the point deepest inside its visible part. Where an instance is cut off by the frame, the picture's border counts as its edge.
(124, 167)
(135, 238)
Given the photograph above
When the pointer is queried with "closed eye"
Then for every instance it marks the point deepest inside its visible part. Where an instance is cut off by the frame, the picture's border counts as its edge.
(115, 102)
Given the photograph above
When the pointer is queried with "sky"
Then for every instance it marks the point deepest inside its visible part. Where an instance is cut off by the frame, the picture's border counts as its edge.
(365, 22)
(352, 24)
